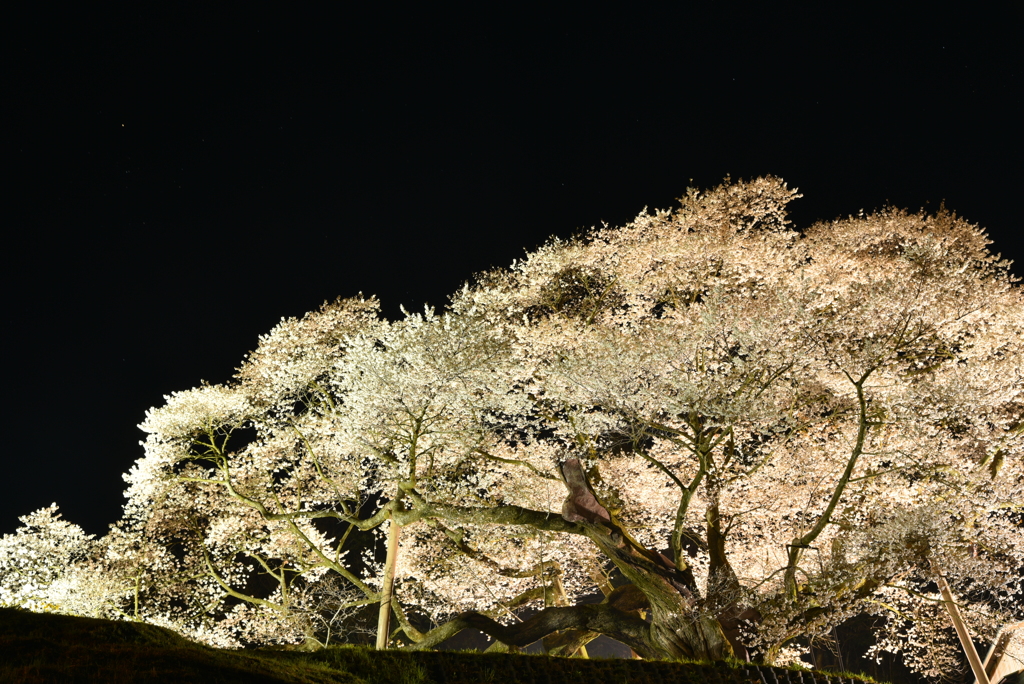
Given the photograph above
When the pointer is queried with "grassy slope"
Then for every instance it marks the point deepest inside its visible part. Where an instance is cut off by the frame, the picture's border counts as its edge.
(59, 648)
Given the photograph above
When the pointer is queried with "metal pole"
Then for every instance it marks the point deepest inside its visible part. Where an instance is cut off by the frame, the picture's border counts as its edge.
(384, 617)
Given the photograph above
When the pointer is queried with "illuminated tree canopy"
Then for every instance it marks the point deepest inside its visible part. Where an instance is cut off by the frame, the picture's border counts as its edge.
(764, 431)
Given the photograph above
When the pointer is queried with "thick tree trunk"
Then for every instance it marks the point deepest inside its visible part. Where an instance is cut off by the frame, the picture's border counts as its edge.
(726, 590)
(678, 629)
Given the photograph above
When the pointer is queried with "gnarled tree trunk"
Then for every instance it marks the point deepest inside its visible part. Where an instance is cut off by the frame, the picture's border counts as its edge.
(677, 628)
(679, 625)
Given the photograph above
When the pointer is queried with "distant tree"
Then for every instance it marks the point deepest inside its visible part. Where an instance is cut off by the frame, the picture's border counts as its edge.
(765, 431)
(39, 562)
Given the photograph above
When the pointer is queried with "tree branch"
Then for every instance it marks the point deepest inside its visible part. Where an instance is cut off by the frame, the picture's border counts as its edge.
(600, 618)
(497, 515)
(800, 543)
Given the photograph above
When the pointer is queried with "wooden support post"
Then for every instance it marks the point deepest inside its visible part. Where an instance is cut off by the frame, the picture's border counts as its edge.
(384, 617)
(961, 631)
(1004, 656)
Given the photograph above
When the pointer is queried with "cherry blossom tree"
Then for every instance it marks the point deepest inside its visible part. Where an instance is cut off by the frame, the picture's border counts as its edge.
(812, 421)
(761, 432)
(42, 566)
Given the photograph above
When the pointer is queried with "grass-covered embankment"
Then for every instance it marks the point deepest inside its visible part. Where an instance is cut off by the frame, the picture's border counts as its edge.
(58, 648)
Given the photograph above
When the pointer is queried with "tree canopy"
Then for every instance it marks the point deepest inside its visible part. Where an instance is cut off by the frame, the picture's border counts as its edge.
(738, 433)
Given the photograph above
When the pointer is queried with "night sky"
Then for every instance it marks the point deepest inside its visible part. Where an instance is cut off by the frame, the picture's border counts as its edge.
(178, 182)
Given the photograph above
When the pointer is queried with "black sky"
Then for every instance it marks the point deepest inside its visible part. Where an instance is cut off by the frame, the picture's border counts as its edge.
(183, 180)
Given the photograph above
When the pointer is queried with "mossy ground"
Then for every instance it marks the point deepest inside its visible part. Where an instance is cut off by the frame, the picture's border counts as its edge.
(58, 648)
